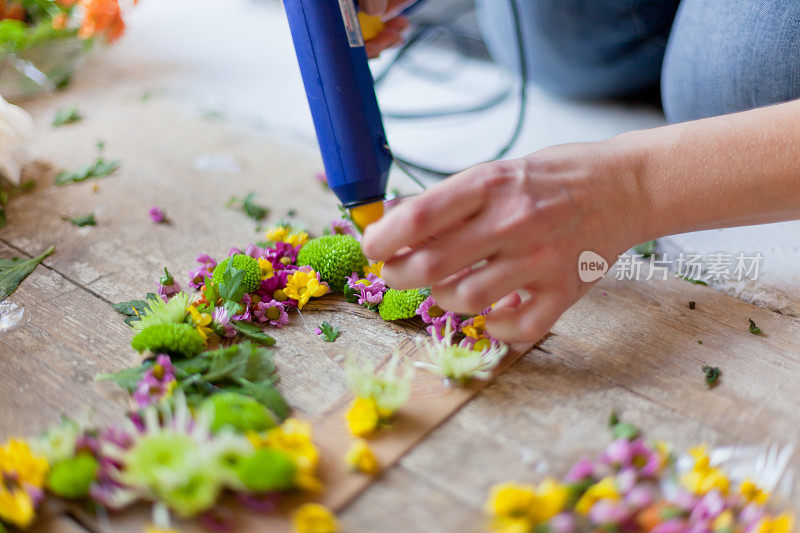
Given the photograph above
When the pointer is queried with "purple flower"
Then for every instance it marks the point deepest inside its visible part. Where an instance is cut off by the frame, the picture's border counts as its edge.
(344, 227)
(255, 251)
(708, 508)
(222, 320)
(273, 312)
(198, 276)
(670, 526)
(751, 515)
(640, 497)
(167, 286)
(370, 290)
(282, 255)
(562, 523)
(156, 383)
(233, 251)
(580, 471)
(429, 310)
(634, 455)
(247, 303)
(157, 215)
(317, 331)
(261, 503)
(609, 512)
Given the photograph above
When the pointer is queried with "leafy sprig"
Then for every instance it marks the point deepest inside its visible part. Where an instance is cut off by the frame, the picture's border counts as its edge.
(15, 269)
(329, 333)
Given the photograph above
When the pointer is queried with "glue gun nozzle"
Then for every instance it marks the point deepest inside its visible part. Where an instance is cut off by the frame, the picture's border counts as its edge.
(364, 215)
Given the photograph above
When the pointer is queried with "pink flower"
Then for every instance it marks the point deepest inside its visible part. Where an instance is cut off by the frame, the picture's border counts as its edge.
(640, 497)
(670, 526)
(197, 276)
(562, 523)
(580, 471)
(369, 290)
(223, 321)
(273, 312)
(317, 331)
(344, 227)
(283, 255)
(609, 512)
(255, 251)
(156, 383)
(708, 508)
(157, 215)
(634, 455)
(167, 286)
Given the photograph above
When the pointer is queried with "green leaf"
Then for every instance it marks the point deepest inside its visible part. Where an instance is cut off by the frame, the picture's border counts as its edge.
(253, 210)
(712, 374)
(100, 168)
(232, 289)
(613, 419)
(695, 281)
(134, 309)
(2, 217)
(624, 430)
(15, 269)
(755, 330)
(240, 361)
(253, 332)
(82, 220)
(269, 396)
(329, 333)
(67, 115)
(646, 249)
(127, 378)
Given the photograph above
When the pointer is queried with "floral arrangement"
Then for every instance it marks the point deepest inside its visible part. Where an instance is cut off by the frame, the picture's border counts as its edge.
(26, 23)
(41, 40)
(206, 417)
(637, 486)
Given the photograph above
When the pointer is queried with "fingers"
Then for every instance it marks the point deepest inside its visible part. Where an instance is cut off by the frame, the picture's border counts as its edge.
(529, 321)
(391, 35)
(478, 289)
(443, 256)
(374, 7)
(439, 208)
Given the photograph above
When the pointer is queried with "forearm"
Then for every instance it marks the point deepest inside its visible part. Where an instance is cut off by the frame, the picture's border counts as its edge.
(733, 170)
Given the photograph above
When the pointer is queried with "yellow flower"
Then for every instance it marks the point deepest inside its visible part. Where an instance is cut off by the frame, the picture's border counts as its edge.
(477, 329)
(16, 507)
(18, 461)
(360, 458)
(374, 268)
(278, 234)
(201, 321)
(703, 477)
(363, 417)
(293, 437)
(154, 529)
(752, 493)
(302, 286)
(314, 518)
(605, 489)
(265, 267)
(724, 522)
(297, 239)
(783, 523)
(516, 507)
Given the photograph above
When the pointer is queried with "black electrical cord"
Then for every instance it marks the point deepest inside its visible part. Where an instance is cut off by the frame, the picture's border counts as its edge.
(405, 164)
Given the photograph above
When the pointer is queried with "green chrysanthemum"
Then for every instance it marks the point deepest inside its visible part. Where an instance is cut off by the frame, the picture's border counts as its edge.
(267, 470)
(237, 411)
(160, 312)
(172, 339)
(252, 277)
(72, 477)
(335, 257)
(397, 305)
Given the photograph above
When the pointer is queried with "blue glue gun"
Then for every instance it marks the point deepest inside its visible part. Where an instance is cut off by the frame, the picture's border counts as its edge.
(341, 94)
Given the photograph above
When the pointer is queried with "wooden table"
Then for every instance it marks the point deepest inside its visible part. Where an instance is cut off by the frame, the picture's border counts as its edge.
(632, 347)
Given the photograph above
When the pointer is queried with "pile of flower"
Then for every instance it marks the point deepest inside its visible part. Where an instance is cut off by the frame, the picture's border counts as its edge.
(24, 24)
(636, 486)
(207, 417)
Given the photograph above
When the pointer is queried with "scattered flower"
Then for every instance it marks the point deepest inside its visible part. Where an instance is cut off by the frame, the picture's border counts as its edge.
(167, 285)
(157, 215)
(314, 518)
(360, 458)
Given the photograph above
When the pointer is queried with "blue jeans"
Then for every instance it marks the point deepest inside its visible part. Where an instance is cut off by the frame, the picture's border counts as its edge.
(709, 57)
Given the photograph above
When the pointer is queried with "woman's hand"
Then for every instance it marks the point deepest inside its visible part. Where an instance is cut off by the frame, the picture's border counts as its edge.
(480, 236)
(394, 23)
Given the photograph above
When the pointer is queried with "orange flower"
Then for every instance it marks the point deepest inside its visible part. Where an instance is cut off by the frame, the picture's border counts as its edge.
(102, 17)
(60, 21)
(67, 3)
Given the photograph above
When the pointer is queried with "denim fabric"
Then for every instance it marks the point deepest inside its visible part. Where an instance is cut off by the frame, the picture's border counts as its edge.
(718, 56)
